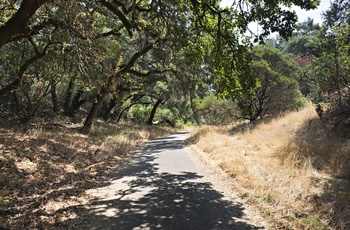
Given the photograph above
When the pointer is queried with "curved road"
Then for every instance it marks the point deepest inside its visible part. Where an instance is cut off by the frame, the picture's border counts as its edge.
(162, 186)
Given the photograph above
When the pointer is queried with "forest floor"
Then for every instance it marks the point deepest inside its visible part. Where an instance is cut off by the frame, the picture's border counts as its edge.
(47, 167)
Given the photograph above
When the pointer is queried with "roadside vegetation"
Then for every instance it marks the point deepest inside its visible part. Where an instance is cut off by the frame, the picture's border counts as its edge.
(82, 83)
(46, 169)
(293, 169)
(288, 160)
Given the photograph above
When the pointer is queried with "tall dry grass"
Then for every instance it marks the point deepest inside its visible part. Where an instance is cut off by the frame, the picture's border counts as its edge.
(293, 169)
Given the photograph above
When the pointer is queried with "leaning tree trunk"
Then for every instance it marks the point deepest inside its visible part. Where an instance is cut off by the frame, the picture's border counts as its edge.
(123, 111)
(98, 102)
(153, 112)
(18, 23)
(112, 79)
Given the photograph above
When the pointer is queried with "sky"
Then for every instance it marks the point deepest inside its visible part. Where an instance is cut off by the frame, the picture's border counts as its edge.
(315, 14)
(302, 14)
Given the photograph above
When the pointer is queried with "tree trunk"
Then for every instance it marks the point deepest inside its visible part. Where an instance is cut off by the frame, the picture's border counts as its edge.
(94, 109)
(109, 108)
(18, 79)
(18, 101)
(112, 79)
(77, 102)
(121, 114)
(68, 98)
(98, 102)
(17, 25)
(56, 107)
(125, 109)
(196, 116)
(153, 112)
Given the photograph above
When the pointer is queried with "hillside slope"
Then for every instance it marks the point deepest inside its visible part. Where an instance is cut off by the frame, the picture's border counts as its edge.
(293, 169)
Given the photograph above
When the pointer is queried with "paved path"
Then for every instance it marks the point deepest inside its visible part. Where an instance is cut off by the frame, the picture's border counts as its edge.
(162, 187)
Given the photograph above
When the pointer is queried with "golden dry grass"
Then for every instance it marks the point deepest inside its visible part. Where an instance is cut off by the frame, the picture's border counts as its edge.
(294, 170)
(45, 169)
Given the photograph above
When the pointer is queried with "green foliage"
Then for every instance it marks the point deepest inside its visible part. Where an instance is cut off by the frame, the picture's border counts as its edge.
(301, 45)
(87, 51)
(304, 40)
(276, 89)
(215, 111)
(165, 114)
(323, 54)
(337, 13)
(139, 113)
(307, 27)
(342, 39)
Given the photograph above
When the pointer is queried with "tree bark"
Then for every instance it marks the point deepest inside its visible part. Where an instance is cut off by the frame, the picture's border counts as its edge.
(18, 101)
(106, 113)
(18, 23)
(122, 112)
(77, 102)
(196, 116)
(96, 106)
(18, 80)
(106, 89)
(68, 98)
(153, 112)
(54, 98)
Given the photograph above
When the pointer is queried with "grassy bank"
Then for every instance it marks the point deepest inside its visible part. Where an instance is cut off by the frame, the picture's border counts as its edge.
(293, 169)
(46, 168)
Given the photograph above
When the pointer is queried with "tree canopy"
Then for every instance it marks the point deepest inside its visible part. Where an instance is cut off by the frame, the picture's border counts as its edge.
(94, 52)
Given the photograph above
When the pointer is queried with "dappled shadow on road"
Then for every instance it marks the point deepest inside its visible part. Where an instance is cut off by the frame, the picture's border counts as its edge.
(162, 144)
(140, 197)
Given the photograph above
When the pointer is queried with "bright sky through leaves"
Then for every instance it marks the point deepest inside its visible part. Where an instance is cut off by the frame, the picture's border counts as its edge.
(302, 14)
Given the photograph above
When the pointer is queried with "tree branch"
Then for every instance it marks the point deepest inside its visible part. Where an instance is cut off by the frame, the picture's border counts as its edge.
(17, 25)
(149, 73)
(136, 56)
(24, 67)
(119, 14)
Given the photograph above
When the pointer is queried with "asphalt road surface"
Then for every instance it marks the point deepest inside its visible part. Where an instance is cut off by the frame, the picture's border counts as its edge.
(162, 187)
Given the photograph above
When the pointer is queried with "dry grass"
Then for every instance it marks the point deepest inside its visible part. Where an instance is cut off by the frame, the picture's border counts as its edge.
(45, 169)
(292, 169)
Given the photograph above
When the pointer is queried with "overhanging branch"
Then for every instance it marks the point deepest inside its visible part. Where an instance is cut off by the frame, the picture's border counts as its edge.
(150, 72)
(17, 24)
(119, 14)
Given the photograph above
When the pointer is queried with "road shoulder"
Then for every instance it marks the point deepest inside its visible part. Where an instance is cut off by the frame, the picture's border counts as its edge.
(226, 185)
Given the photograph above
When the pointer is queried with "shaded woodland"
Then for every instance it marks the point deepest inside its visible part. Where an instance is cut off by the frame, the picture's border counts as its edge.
(84, 82)
(143, 61)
